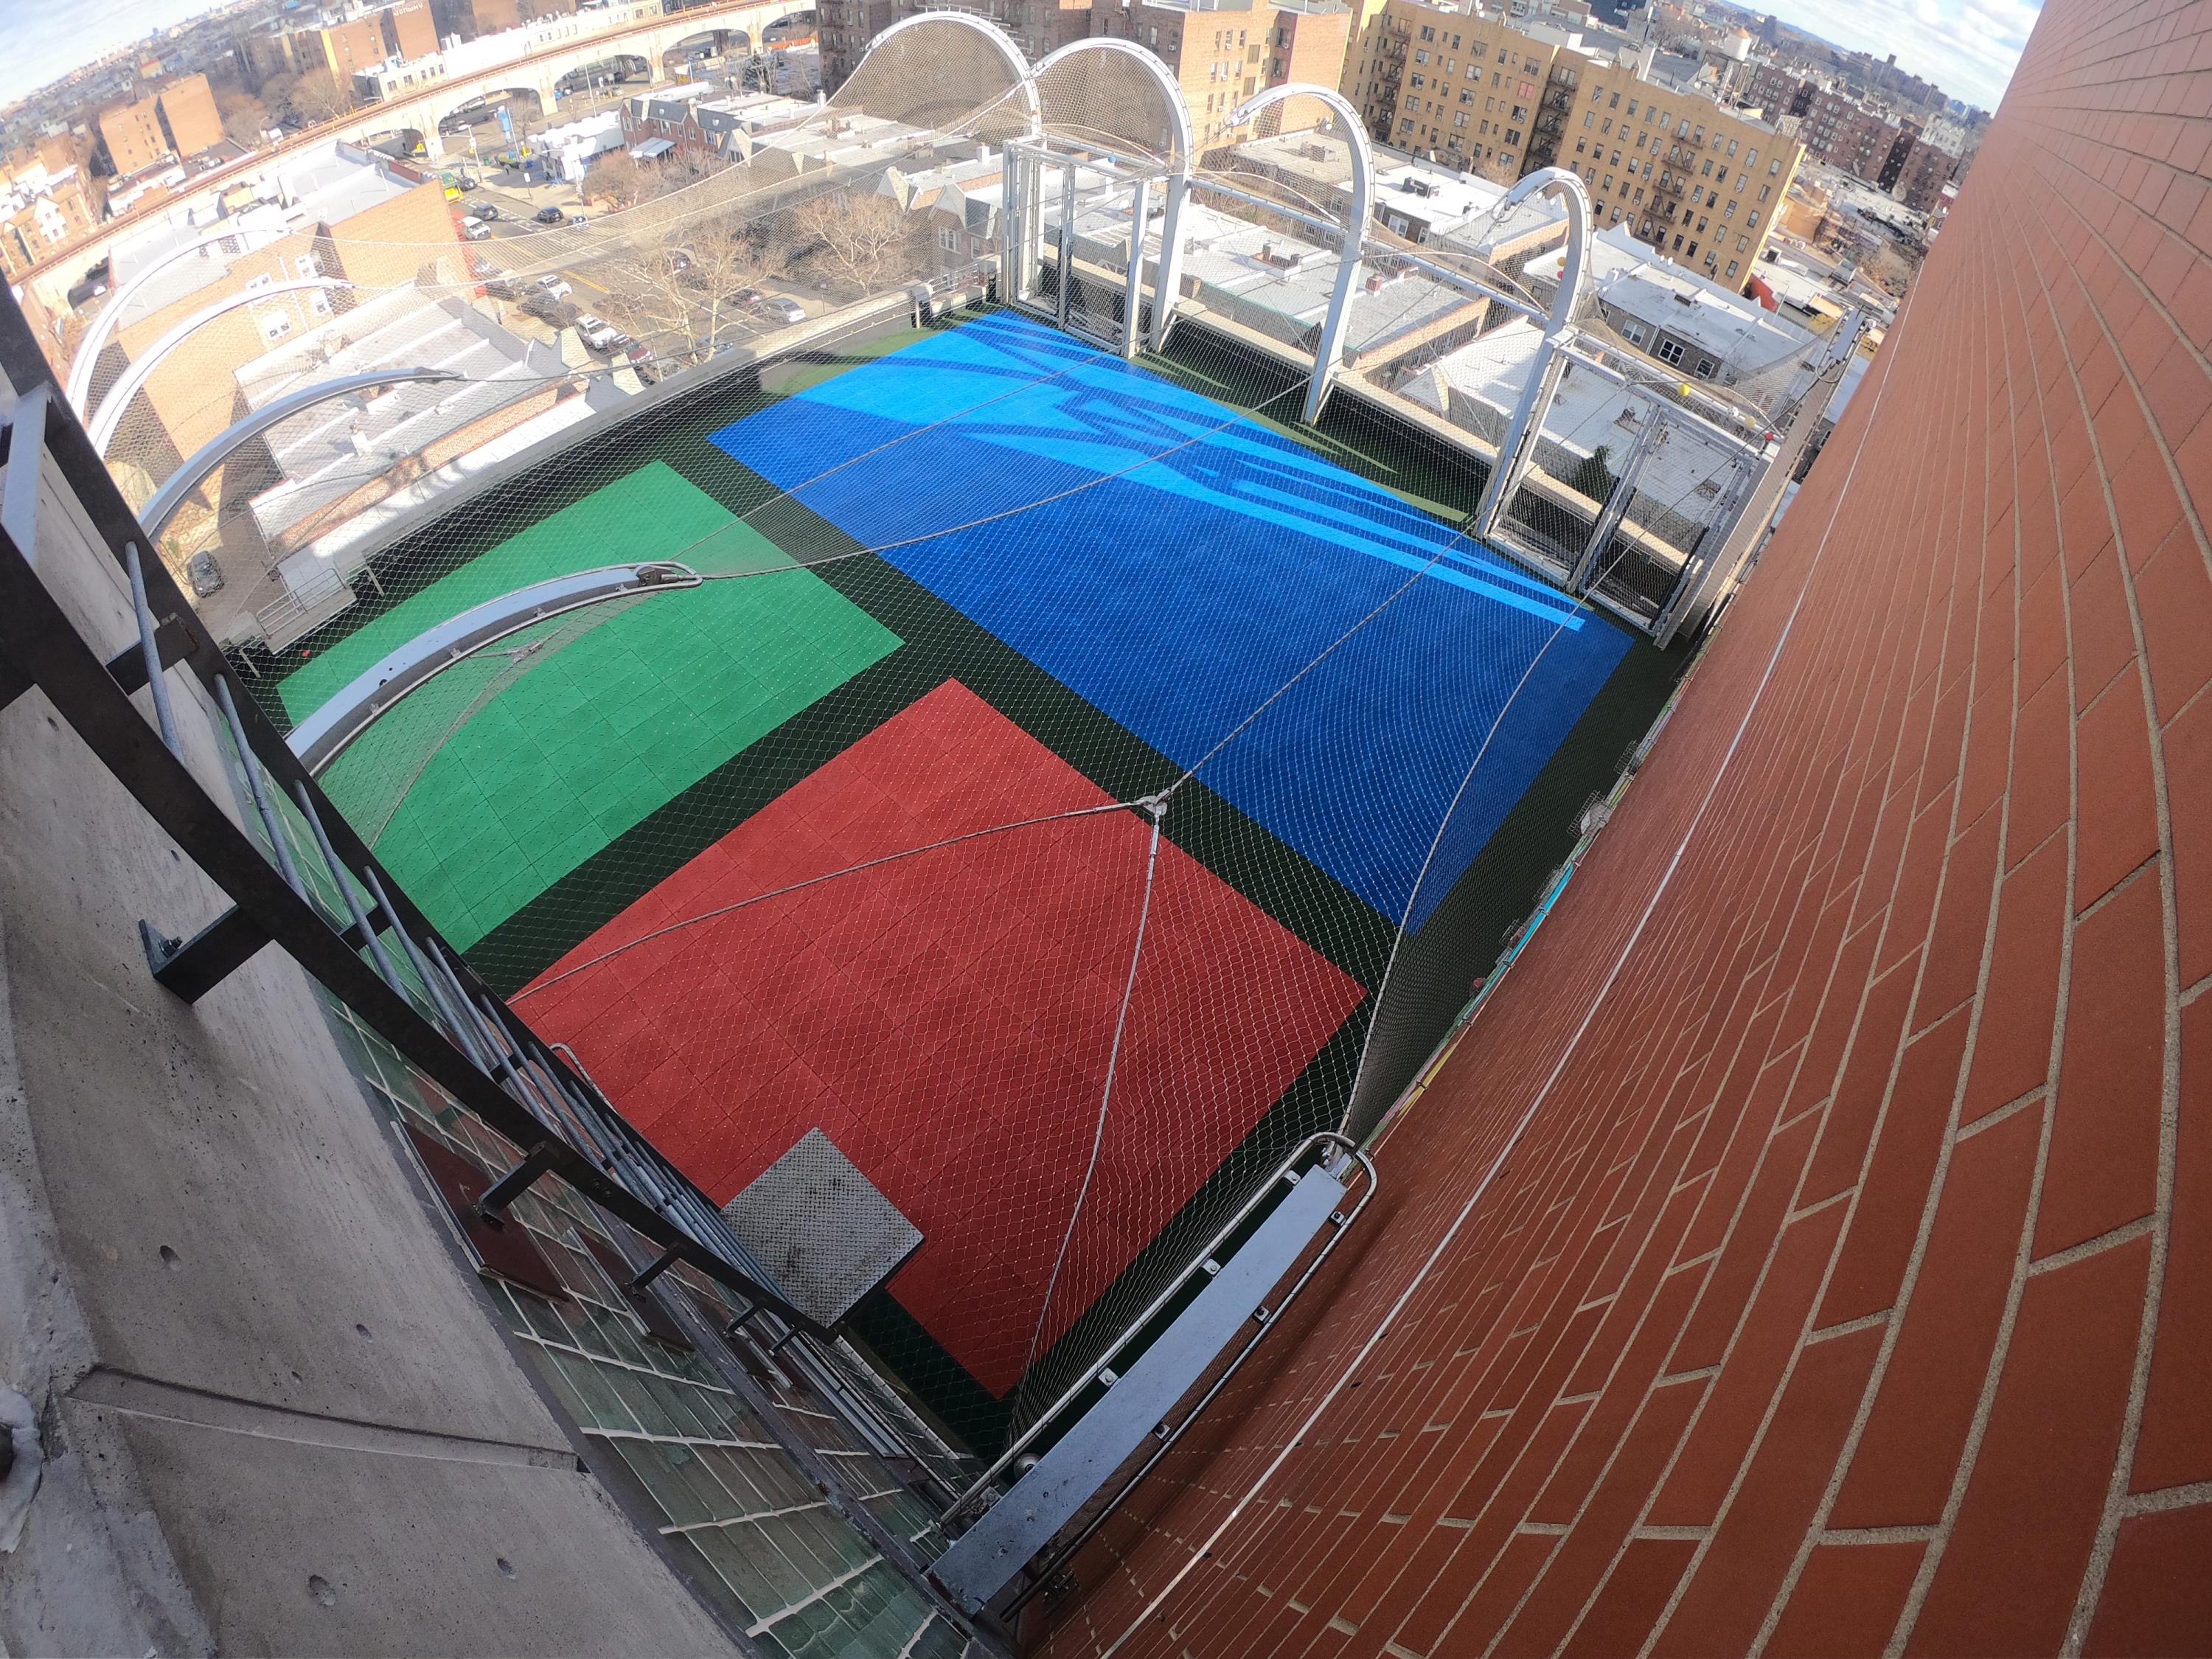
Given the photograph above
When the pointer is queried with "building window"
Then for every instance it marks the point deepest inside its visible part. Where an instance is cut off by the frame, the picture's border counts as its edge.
(1732, 266)
(1669, 351)
(1706, 365)
(948, 239)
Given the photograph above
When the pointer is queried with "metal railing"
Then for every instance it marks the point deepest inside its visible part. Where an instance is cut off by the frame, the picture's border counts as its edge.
(1203, 1261)
(382, 958)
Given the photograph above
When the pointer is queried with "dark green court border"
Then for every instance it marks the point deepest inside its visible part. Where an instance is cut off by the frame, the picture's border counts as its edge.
(1436, 967)
(941, 644)
(1430, 983)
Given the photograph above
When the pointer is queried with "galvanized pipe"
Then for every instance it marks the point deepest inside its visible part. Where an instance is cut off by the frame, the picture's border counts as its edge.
(164, 716)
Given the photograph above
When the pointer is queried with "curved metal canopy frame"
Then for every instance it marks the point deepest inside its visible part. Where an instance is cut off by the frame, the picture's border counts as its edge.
(1355, 227)
(1168, 283)
(1543, 368)
(161, 506)
(1178, 109)
(110, 414)
(1569, 191)
(317, 740)
(1002, 42)
(79, 389)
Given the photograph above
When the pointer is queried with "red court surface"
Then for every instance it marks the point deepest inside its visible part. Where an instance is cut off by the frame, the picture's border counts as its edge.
(947, 1019)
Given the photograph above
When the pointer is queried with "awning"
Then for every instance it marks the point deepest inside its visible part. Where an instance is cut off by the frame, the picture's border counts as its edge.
(651, 149)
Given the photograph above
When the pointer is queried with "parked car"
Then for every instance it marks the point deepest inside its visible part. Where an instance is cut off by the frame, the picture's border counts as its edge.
(749, 297)
(475, 230)
(559, 313)
(487, 210)
(504, 287)
(577, 222)
(550, 215)
(554, 285)
(206, 573)
(784, 309)
(598, 333)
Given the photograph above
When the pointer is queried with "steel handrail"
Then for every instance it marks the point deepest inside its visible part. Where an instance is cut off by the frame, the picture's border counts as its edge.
(1042, 1578)
(1197, 1264)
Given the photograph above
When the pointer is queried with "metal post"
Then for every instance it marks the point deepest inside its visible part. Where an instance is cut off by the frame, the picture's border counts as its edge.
(1521, 435)
(1331, 348)
(1167, 285)
(1543, 381)
(150, 648)
(1066, 242)
(1354, 131)
(338, 874)
(1611, 512)
(1133, 293)
(27, 455)
(267, 808)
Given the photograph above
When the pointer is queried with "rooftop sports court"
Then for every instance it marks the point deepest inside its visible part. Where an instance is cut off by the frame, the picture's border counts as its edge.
(860, 831)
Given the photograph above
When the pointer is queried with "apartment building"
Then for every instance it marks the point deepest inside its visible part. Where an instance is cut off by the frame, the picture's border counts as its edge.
(405, 31)
(46, 202)
(1860, 141)
(177, 119)
(1473, 91)
(1037, 27)
(470, 18)
(1701, 183)
(1220, 51)
(1223, 54)
(1923, 170)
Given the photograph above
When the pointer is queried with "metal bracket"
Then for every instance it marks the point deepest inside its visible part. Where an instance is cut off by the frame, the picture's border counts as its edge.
(659, 1265)
(127, 667)
(492, 1206)
(190, 968)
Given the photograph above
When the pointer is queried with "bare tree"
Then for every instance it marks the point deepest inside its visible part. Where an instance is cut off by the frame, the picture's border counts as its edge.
(617, 181)
(317, 97)
(245, 117)
(858, 241)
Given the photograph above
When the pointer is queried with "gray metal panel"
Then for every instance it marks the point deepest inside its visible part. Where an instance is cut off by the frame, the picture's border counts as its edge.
(987, 1557)
(819, 1226)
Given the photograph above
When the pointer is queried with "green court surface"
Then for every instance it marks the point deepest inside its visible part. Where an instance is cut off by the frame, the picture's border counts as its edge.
(505, 773)
(655, 513)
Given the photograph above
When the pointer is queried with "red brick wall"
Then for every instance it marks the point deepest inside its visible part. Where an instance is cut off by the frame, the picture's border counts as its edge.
(1810, 1248)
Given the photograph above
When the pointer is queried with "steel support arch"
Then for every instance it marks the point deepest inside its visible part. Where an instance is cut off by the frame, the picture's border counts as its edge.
(164, 502)
(1543, 381)
(1355, 230)
(1169, 275)
(79, 389)
(109, 416)
(1001, 42)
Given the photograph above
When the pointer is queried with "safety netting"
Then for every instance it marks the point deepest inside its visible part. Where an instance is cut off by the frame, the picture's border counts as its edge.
(874, 674)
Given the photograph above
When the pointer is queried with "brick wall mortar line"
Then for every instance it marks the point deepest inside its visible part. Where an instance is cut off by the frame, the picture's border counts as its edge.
(2169, 1122)
(1848, 1450)
(1954, 1499)
(1650, 908)
(1842, 1233)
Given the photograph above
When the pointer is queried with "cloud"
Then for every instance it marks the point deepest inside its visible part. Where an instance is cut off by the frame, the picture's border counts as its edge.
(1968, 47)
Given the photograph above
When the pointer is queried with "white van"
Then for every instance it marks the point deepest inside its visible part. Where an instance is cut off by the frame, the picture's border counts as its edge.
(475, 230)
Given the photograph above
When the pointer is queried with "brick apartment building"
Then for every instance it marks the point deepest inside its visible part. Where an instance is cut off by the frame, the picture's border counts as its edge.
(1220, 55)
(406, 31)
(1472, 91)
(1700, 182)
(178, 119)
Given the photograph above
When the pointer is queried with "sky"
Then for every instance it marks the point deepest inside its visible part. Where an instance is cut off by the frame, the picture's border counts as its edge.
(1968, 47)
(42, 41)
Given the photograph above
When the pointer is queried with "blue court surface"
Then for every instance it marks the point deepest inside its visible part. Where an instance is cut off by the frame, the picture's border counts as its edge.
(1331, 658)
